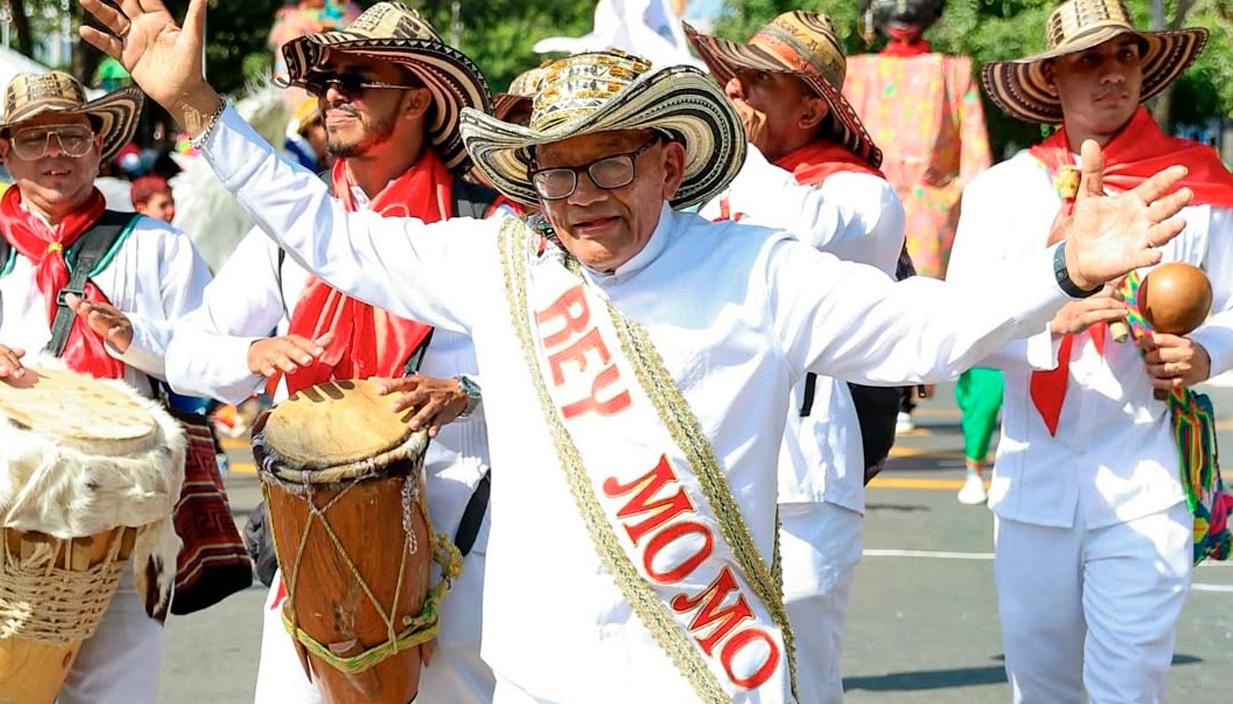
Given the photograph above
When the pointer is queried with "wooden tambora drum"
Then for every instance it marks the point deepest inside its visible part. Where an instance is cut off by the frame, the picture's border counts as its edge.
(90, 473)
(343, 478)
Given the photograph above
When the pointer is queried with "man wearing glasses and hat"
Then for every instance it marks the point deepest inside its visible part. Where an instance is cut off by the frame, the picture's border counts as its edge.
(637, 360)
(1094, 537)
(116, 323)
(389, 92)
(824, 186)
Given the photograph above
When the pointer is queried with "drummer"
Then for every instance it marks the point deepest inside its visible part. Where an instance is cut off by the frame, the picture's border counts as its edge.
(394, 134)
(115, 326)
(1093, 540)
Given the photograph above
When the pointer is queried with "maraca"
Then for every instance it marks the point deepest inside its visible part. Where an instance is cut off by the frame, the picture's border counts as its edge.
(1175, 298)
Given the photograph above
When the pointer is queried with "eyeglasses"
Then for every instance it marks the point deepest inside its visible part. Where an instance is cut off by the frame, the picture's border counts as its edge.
(350, 85)
(609, 173)
(32, 142)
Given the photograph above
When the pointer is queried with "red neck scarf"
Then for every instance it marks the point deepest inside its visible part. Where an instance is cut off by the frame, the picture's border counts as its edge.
(44, 245)
(906, 44)
(1137, 152)
(813, 163)
(369, 341)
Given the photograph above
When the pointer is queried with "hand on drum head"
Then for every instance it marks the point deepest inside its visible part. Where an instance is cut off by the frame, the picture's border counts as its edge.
(105, 319)
(286, 353)
(434, 402)
(11, 370)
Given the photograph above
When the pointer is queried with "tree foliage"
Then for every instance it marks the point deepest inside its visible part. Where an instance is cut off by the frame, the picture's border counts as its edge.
(993, 30)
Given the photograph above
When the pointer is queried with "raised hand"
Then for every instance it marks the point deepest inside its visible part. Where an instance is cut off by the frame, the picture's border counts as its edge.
(163, 58)
(1110, 236)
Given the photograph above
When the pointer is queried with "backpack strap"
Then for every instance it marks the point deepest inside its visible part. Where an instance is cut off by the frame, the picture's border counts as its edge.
(92, 251)
(473, 515)
(8, 257)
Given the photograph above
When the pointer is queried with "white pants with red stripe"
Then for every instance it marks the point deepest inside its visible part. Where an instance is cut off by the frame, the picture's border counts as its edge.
(119, 664)
(1092, 611)
(457, 675)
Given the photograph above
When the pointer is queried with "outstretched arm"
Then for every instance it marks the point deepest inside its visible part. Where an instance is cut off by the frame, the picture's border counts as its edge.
(844, 321)
(413, 270)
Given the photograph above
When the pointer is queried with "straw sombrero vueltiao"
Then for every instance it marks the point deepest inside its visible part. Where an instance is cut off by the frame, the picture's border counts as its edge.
(521, 91)
(609, 91)
(1020, 89)
(804, 44)
(391, 31)
(115, 114)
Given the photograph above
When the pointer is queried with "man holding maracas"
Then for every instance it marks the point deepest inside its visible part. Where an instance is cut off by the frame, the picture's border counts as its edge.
(1094, 533)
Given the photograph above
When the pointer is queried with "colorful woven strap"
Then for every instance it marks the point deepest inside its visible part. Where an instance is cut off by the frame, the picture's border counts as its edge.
(1194, 429)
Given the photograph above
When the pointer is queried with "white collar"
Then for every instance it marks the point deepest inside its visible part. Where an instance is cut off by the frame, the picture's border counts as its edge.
(654, 247)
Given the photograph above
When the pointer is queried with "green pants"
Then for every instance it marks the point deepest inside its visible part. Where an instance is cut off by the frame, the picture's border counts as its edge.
(979, 394)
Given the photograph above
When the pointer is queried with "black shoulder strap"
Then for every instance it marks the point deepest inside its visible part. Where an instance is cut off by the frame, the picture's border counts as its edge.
(471, 200)
(6, 253)
(473, 515)
(82, 257)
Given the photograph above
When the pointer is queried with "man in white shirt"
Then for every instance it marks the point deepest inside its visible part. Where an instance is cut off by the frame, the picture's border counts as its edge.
(390, 160)
(144, 274)
(636, 360)
(785, 86)
(1094, 537)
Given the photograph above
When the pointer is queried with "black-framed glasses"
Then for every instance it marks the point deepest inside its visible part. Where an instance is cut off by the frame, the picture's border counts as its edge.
(350, 85)
(609, 173)
(32, 142)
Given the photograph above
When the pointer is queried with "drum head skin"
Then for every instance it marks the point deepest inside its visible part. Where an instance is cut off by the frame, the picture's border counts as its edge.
(81, 411)
(334, 425)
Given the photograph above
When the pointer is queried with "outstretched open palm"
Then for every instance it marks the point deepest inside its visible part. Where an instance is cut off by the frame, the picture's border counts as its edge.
(1112, 235)
(163, 58)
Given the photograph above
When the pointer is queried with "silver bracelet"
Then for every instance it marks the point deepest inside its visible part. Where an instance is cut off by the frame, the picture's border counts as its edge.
(200, 140)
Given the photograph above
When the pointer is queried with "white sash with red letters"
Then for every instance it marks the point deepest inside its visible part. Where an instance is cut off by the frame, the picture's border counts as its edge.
(655, 502)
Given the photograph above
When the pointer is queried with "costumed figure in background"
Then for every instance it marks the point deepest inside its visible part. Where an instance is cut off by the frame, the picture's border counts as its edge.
(299, 17)
(658, 351)
(390, 93)
(99, 289)
(785, 84)
(1103, 495)
(649, 28)
(923, 109)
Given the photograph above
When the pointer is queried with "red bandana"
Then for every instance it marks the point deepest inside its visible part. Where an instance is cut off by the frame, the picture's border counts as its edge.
(1137, 152)
(813, 163)
(907, 44)
(369, 341)
(85, 350)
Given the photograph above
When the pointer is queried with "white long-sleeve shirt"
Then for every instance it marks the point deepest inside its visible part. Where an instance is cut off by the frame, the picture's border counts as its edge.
(738, 315)
(155, 277)
(1114, 458)
(857, 217)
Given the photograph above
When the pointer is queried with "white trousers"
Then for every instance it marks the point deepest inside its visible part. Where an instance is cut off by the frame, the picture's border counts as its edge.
(457, 675)
(119, 664)
(819, 545)
(1092, 610)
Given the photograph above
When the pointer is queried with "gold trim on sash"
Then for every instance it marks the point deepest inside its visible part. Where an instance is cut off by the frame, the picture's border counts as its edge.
(674, 412)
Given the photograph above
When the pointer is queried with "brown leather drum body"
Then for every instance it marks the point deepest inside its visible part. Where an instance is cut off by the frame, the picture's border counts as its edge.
(344, 485)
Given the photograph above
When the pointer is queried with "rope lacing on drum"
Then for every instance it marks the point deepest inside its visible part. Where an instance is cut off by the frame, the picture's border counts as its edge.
(415, 630)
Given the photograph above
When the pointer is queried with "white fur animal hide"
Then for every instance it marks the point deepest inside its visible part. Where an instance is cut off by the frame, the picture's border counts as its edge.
(67, 492)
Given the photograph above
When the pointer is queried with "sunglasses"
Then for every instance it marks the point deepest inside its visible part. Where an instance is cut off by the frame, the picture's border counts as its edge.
(32, 142)
(350, 85)
(609, 173)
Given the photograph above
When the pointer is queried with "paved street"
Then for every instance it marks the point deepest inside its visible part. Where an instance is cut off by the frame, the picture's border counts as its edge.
(923, 624)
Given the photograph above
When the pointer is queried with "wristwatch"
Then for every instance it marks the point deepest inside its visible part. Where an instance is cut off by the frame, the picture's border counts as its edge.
(1069, 287)
(472, 390)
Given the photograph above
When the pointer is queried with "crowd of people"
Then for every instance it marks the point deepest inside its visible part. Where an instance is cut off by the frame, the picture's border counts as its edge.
(663, 315)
